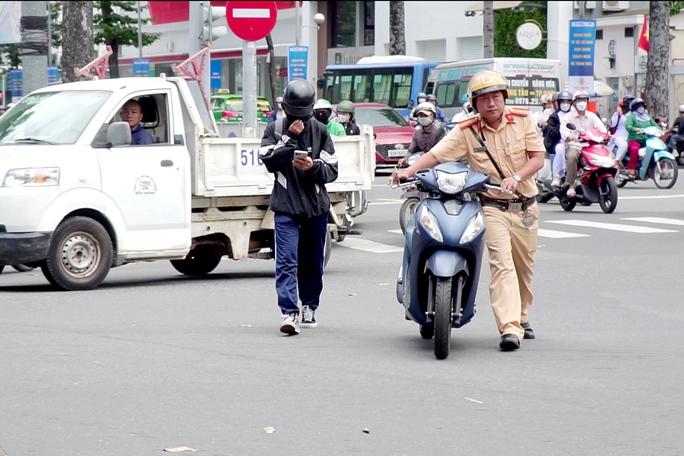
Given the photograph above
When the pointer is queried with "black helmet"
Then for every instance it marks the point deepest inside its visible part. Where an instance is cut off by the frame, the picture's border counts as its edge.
(431, 97)
(564, 95)
(298, 99)
(626, 102)
(635, 103)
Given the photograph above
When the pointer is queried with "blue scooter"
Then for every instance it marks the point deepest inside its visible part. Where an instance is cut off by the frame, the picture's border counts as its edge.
(438, 278)
(655, 161)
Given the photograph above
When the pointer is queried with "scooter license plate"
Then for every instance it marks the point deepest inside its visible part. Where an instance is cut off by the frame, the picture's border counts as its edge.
(396, 153)
(514, 207)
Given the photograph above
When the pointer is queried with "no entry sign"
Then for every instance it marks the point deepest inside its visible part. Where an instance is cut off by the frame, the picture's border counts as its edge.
(251, 21)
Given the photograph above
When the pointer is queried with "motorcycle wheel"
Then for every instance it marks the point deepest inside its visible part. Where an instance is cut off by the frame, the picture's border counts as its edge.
(444, 313)
(620, 180)
(427, 331)
(408, 208)
(608, 195)
(567, 204)
(664, 173)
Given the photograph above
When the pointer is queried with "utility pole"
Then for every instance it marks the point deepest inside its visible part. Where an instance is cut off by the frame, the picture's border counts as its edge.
(298, 24)
(582, 8)
(140, 46)
(34, 47)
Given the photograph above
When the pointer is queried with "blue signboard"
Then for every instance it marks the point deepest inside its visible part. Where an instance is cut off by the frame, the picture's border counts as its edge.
(52, 74)
(297, 62)
(216, 74)
(15, 83)
(581, 55)
(141, 67)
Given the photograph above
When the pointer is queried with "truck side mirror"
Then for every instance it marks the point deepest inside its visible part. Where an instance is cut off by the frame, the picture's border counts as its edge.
(119, 134)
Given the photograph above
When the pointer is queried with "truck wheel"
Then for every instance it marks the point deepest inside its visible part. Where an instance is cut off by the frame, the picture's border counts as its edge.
(198, 262)
(80, 255)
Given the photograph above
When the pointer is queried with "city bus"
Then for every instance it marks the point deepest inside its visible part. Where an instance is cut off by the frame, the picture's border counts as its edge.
(394, 80)
(528, 79)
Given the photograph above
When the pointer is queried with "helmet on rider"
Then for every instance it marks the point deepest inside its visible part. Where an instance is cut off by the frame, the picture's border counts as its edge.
(298, 100)
(486, 81)
(636, 103)
(564, 95)
(345, 106)
(431, 97)
(681, 109)
(545, 98)
(580, 95)
(322, 110)
(421, 97)
(467, 108)
(554, 97)
(626, 102)
(464, 99)
(564, 100)
(425, 113)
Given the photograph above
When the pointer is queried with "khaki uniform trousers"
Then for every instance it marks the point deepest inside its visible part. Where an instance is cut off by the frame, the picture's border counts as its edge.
(511, 248)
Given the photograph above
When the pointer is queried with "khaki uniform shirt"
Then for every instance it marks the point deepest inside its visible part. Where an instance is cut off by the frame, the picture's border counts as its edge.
(508, 145)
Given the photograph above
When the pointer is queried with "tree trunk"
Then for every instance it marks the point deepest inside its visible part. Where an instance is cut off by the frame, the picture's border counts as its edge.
(658, 52)
(106, 9)
(77, 38)
(271, 67)
(397, 29)
(488, 30)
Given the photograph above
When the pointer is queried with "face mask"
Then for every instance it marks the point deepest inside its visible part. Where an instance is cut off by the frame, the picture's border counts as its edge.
(581, 105)
(322, 116)
(421, 100)
(640, 110)
(280, 106)
(565, 107)
(343, 118)
(425, 121)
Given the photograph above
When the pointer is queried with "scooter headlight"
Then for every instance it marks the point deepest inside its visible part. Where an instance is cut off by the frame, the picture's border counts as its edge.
(451, 183)
(474, 227)
(429, 222)
(603, 162)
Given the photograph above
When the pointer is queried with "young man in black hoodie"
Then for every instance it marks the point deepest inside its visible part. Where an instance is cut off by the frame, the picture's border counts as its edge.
(300, 153)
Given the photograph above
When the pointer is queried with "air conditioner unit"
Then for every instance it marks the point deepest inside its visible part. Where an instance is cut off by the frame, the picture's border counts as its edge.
(628, 81)
(587, 5)
(615, 6)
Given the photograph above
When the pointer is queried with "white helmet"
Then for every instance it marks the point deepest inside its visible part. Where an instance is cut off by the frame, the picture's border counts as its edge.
(681, 109)
(426, 107)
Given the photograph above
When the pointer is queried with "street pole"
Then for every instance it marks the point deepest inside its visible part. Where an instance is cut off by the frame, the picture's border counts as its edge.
(249, 89)
(140, 46)
(298, 24)
(49, 35)
(34, 61)
(582, 6)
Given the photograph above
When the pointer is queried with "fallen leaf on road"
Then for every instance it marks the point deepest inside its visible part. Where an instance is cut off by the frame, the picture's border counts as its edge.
(179, 449)
(269, 430)
(366, 430)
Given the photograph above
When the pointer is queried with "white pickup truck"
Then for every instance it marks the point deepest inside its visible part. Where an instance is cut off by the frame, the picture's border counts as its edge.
(77, 199)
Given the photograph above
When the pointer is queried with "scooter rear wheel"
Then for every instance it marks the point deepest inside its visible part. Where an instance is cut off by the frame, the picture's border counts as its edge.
(408, 209)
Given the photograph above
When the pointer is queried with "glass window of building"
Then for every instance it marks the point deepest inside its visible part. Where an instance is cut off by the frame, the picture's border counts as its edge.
(344, 24)
(369, 23)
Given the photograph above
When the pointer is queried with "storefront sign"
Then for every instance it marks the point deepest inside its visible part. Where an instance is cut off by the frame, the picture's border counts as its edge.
(297, 62)
(581, 55)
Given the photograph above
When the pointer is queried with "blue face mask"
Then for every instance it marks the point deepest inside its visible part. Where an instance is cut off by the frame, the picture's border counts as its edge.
(640, 110)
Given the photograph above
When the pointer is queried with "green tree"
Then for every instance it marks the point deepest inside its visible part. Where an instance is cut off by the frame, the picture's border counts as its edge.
(507, 22)
(117, 30)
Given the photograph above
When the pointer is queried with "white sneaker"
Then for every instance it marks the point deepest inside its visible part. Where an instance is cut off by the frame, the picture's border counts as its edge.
(290, 324)
(556, 182)
(308, 317)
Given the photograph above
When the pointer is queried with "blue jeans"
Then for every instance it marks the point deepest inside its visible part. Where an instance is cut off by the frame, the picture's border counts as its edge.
(299, 248)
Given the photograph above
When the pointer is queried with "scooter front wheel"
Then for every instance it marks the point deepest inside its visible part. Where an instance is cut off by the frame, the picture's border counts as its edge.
(664, 173)
(445, 303)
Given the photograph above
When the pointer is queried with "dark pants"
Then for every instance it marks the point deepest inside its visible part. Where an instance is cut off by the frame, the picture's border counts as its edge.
(299, 248)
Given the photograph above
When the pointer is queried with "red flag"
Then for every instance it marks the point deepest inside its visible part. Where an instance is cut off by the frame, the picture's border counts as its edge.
(643, 39)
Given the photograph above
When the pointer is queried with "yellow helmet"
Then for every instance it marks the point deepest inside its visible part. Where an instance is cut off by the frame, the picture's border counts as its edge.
(484, 82)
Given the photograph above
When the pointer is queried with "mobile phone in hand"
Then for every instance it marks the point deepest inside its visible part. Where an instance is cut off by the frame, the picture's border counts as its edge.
(300, 154)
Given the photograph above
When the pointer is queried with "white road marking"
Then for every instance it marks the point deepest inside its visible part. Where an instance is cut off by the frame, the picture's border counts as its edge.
(368, 246)
(396, 231)
(612, 226)
(558, 234)
(248, 13)
(664, 221)
(384, 202)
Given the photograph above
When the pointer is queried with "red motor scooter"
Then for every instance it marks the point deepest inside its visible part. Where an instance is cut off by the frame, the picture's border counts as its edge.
(595, 174)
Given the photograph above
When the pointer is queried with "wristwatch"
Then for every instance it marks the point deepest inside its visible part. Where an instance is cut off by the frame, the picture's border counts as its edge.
(517, 178)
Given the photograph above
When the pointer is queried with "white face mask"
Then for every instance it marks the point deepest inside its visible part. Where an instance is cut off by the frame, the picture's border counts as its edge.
(425, 121)
(343, 118)
(641, 110)
(421, 100)
(581, 105)
(565, 107)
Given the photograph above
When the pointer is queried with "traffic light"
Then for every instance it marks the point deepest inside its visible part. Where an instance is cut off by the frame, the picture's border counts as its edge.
(211, 14)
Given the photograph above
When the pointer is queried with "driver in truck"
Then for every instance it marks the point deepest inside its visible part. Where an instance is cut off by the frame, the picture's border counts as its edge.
(131, 112)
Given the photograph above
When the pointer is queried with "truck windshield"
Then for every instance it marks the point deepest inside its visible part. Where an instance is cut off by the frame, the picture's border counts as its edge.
(51, 117)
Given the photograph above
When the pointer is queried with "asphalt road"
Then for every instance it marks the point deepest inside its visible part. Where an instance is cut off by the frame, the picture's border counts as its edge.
(153, 360)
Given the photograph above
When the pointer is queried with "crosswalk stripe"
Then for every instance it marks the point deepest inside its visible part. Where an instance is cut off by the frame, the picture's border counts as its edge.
(664, 221)
(368, 246)
(612, 226)
(395, 231)
(558, 234)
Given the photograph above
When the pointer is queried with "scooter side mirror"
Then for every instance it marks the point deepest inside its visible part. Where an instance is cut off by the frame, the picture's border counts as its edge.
(571, 126)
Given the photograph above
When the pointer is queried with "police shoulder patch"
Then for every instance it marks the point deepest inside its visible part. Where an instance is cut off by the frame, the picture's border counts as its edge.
(521, 112)
(468, 123)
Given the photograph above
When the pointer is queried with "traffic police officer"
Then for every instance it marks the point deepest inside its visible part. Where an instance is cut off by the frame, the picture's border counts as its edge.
(503, 143)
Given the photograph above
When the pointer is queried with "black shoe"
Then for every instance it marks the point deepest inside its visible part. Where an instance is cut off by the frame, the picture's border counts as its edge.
(529, 333)
(509, 342)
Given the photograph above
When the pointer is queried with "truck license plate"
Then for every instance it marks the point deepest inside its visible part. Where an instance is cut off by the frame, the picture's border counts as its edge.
(396, 152)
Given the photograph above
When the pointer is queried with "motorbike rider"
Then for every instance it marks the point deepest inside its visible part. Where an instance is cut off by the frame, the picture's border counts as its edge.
(618, 128)
(300, 203)
(440, 115)
(322, 111)
(345, 116)
(553, 140)
(277, 112)
(503, 143)
(467, 111)
(420, 98)
(636, 139)
(546, 100)
(584, 121)
(676, 132)
(424, 138)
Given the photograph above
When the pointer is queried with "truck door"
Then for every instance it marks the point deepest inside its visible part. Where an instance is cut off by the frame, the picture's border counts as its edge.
(149, 181)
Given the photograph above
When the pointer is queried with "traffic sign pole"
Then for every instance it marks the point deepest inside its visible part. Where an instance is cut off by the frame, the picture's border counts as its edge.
(251, 21)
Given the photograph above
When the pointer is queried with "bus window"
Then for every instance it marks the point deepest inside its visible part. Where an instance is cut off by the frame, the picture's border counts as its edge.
(445, 94)
(345, 86)
(381, 88)
(401, 88)
(361, 87)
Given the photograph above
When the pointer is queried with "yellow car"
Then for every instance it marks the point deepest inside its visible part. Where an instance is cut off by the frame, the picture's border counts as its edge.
(228, 108)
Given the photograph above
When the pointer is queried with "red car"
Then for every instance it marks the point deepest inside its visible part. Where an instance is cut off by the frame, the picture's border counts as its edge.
(393, 132)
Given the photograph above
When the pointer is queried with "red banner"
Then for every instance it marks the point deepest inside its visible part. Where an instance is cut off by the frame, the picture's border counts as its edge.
(170, 12)
(643, 38)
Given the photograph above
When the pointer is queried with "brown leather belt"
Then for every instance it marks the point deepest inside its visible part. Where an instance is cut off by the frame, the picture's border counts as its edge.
(506, 205)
